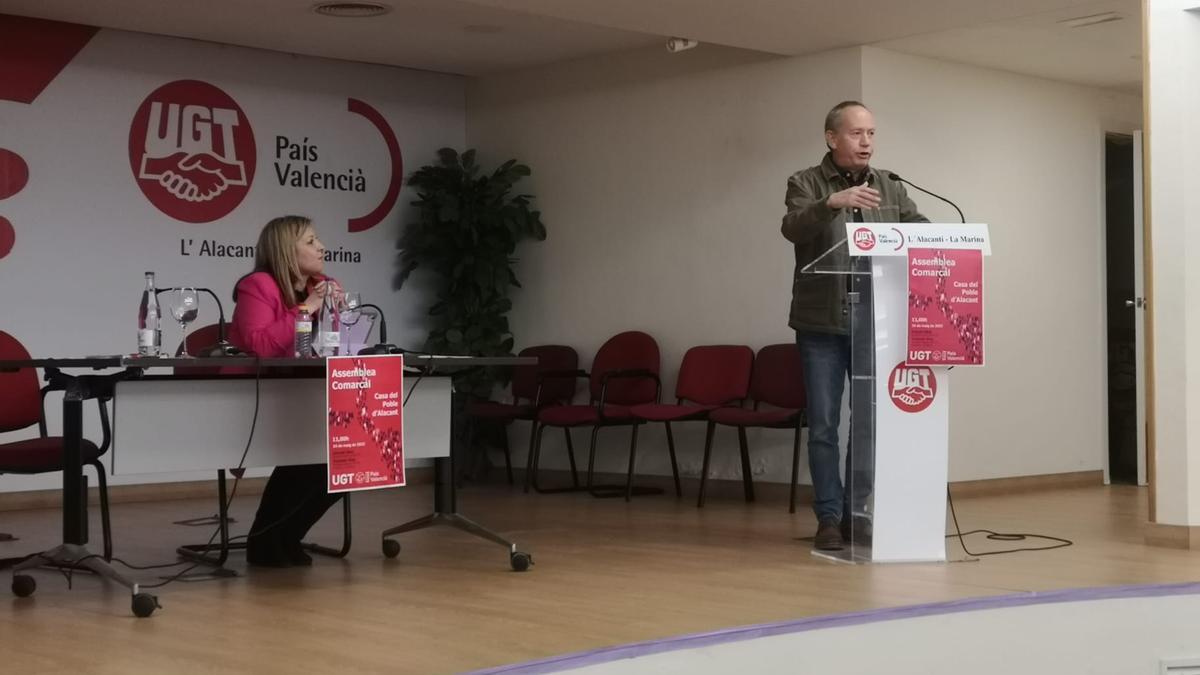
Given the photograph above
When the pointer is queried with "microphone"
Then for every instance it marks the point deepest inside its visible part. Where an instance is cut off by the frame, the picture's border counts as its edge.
(896, 177)
(381, 347)
(222, 348)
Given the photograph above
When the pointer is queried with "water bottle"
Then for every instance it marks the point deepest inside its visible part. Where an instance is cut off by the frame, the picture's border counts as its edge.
(330, 337)
(304, 341)
(149, 331)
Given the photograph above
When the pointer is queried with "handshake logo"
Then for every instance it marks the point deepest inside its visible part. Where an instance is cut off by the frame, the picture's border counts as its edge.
(194, 177)
(912, 388)
(192, 151)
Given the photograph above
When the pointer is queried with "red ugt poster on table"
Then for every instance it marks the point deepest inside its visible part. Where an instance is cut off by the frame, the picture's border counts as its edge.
(945, 307)
(365, 423)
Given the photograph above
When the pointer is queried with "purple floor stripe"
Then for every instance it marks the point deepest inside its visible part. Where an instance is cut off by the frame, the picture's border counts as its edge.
(555, 664)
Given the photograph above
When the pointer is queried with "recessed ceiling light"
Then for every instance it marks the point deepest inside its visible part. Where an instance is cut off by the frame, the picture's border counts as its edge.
(1091, 20)
(354, 10)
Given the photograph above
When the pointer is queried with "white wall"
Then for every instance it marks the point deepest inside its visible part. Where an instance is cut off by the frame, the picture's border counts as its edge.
(662, 178)
(1172, 148)
(1026, 156)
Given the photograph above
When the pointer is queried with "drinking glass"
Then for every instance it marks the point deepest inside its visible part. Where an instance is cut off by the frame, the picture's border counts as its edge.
(349, 312)
(185, 306)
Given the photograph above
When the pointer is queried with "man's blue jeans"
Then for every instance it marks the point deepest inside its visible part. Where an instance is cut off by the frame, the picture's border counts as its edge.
(826, 361)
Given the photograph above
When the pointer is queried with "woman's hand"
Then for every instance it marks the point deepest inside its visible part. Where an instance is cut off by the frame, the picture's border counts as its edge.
(338, 293)
(316, 298)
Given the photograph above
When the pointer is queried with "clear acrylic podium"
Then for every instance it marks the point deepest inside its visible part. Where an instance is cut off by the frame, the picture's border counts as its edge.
(897, 460)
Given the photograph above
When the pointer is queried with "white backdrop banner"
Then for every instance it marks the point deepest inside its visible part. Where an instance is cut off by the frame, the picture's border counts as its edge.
(124, 152)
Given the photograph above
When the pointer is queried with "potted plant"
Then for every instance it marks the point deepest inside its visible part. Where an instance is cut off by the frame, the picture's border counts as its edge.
(466, 232)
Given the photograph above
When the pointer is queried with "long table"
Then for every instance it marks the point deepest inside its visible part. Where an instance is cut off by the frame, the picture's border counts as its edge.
(289, 383)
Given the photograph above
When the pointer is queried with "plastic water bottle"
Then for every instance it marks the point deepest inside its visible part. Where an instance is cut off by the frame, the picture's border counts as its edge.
(304, 341)
(330, 336)
(149, 331)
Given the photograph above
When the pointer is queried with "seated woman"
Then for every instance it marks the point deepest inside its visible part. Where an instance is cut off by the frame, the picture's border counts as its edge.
(289, 265)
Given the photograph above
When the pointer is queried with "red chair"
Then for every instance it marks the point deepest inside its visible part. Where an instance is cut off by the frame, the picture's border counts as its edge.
(709, 377)
(21, 407)
(550, 382)
(778, 382)
(624, 374)
(200, 343)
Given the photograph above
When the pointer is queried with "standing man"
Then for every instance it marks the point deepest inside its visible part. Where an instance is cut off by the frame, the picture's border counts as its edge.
(820, 200)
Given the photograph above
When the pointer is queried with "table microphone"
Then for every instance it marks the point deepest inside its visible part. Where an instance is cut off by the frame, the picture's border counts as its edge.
(896, 177)
(222, 348)
(382, 347)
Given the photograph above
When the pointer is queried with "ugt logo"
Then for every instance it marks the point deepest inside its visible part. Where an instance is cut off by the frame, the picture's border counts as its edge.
(192, 151)
(912, 388)
(864, 239)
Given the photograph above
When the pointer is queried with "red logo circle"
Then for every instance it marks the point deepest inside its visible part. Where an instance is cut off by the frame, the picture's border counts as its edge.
(8, 237)
(864, 239)
(192, 151)
(14, 173)
(912, 388)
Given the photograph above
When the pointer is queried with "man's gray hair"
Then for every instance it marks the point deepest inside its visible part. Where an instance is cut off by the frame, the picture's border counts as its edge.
(834, 118)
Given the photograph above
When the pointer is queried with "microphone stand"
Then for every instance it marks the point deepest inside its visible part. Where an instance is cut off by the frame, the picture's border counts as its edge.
(896, 177)
(223, 348)
(382, 347)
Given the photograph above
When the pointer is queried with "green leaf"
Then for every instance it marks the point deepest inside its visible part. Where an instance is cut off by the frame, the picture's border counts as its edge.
(464, 230)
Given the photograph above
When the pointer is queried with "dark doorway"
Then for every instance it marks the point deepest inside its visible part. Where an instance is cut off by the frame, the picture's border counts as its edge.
(1121, 293)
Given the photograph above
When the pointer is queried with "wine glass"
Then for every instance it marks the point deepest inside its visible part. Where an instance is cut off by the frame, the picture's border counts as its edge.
(349, 312)
(185, 307)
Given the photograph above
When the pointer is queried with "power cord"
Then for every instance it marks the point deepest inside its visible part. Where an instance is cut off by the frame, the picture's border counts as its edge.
(1000, 536)
(236, 480)
(70, 568)
(420, 376)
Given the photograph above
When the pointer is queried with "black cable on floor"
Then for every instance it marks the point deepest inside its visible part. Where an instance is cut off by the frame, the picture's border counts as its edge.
(236, 479)
(1000, 536)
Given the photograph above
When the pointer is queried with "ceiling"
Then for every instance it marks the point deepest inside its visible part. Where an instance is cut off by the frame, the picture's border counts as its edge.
(1102, 55)
(478, 37)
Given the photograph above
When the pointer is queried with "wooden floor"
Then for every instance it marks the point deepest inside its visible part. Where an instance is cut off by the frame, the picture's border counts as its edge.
(606, 573)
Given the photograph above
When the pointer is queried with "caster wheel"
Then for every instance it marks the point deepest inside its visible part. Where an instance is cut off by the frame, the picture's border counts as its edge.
(520, 561)
(391, 548)
(144, 605)
(23, 585)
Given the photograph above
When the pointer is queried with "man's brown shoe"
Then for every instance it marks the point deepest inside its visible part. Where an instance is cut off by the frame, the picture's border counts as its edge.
(829, 536)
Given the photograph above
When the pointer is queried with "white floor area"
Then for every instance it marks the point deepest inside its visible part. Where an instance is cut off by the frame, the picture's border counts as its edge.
(1124, 631)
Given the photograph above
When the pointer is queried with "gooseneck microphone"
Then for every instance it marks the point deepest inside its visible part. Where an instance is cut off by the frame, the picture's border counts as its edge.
(222, 348)
(382, 347)
(896, 177)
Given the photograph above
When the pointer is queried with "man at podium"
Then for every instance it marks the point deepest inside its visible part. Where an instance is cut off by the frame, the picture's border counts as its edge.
(820, 200)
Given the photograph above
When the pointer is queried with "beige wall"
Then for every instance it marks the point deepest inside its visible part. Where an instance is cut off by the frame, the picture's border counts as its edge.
(661, 178)
(1172, 148)
(1025, 156)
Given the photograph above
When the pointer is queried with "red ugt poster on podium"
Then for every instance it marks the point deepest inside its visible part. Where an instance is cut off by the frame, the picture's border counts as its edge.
(945, 307)
(365, 423)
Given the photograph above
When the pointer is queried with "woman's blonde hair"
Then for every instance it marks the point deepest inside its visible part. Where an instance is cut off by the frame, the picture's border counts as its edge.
(276, 253)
